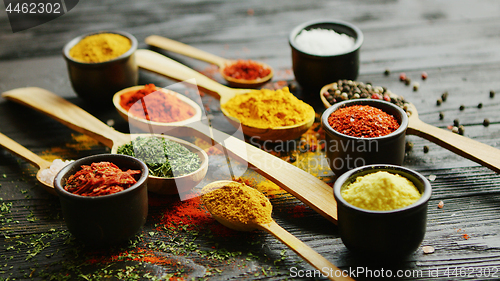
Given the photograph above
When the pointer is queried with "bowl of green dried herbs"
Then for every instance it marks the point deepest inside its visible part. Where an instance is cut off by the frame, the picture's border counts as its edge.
(175, 166)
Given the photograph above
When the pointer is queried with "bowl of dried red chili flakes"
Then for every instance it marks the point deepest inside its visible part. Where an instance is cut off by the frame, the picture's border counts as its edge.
(103, 198)
(361, 132)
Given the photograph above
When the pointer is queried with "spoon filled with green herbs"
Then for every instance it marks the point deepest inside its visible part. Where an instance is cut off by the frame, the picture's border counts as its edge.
(175, 165)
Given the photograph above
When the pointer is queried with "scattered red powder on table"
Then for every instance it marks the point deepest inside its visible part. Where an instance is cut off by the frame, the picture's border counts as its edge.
(362, 121)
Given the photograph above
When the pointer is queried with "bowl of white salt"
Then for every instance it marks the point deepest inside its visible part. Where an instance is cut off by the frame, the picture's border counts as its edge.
(325, 51)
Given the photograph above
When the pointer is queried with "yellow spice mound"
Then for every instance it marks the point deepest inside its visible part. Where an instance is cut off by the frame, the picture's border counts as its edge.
(100, 47)
(239, 203)
(381, 191)
(268, 108)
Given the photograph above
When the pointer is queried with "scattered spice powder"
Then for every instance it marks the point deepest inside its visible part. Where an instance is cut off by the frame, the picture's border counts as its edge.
(246, 70)
(100, 178)
(156, 105)
(362, 121)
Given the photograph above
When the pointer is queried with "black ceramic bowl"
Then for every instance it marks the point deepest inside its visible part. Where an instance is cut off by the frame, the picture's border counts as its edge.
(345, 152)
(314, 71)
(107, 219)
(389, 234)
(96, 83)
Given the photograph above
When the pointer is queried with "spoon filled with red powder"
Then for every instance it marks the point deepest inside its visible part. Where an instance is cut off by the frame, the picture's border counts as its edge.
(238, 73)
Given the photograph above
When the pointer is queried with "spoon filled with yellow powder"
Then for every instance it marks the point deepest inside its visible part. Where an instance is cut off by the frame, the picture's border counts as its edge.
(243, 208)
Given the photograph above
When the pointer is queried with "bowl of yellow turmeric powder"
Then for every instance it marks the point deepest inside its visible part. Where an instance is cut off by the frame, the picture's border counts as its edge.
(100, 64)
(382, 210)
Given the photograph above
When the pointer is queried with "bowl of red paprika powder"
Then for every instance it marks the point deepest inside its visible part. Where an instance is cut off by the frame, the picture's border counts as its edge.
(362, 132)
(103, 198)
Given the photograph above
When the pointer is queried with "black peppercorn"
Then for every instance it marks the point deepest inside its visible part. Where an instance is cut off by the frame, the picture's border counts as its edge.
(444, 96)
(480, 105)
(408, 146)
(387, 72)
(486, 122)
(492, 94)
(292, 159)
(456, 122)
(439, 101)
(407, 81)
(461, 129)
(426, 149)
(441, 115)
(462, 107)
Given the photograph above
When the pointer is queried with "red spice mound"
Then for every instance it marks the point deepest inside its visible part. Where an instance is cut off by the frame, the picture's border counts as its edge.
(100, 178)
(246, 70)
(362, 121)
(155, 105)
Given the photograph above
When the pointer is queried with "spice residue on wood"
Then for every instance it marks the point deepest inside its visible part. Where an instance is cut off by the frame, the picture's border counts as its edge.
(156, 105)
(269, 109)
(362, 121)
(100, 47)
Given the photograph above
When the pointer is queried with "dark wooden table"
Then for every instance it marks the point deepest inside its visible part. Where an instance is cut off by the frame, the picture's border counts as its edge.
(456, 42)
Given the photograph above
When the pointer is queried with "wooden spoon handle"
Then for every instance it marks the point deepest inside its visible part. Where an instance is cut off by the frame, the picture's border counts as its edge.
(161, 64)
(64, 112)
(23, 152)
(308, 254)
(307, 188)
(478, 152)
(183, 49)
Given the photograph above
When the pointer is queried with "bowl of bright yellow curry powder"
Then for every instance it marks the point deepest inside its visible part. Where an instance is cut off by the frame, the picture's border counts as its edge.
(382, 210)
(100, 64)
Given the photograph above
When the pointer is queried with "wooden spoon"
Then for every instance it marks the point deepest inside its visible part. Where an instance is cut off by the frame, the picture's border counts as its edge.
(299, 247)
(163, 65)
(81, 121)
(476, 151)
(189, 51)
(307, 188)
(29, 156)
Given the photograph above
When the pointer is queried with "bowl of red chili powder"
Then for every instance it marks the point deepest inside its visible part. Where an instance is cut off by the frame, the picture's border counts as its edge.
(362, 132)
(103, 198)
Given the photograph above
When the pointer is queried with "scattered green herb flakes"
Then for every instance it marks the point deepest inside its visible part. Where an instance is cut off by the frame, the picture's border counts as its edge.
(164, 158)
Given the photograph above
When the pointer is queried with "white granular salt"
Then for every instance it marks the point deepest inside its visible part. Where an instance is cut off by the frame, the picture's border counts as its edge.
(323, 42)
(48, 175)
